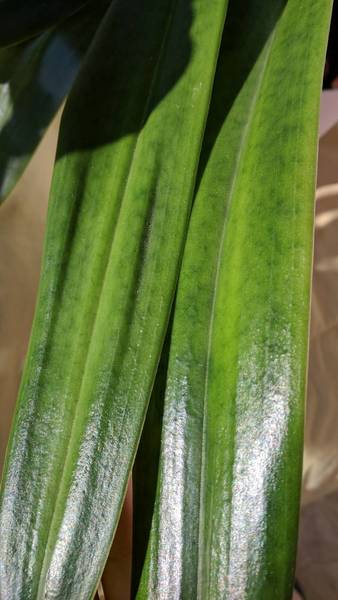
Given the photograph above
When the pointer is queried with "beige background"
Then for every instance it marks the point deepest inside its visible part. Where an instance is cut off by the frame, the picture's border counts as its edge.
(317, 568)
(321, 433)
(22, 220)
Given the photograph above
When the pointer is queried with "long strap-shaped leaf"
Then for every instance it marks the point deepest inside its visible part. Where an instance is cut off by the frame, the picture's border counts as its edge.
(35, 79)
(145, 470)
(225, 521)
(121, 195)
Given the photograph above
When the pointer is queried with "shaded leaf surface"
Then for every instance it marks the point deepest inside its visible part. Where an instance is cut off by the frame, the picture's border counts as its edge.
(146, 465)
(34, 80)
(22, 19)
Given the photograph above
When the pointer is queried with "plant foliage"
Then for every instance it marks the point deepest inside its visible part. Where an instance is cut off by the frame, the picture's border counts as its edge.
(176, 102)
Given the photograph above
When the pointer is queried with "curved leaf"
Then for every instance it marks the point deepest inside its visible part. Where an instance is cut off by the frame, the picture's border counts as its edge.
(225, 520)
(34, 80)
(129, 145)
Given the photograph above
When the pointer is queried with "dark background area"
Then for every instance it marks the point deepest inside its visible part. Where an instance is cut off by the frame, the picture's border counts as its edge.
(331, 66)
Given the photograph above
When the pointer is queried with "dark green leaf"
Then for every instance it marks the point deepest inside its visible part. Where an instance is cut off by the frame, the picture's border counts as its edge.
(146, 468)
(34, 80)
(22, 19)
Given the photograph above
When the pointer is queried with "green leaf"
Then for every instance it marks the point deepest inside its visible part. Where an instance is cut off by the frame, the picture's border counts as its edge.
(121, 195)
(225, 519)
(34, 80)
(22, 19)
(145, 469)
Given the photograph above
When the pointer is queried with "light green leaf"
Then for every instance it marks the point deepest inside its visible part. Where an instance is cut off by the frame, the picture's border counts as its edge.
(225, 520)
(34, 80)
(121, 196)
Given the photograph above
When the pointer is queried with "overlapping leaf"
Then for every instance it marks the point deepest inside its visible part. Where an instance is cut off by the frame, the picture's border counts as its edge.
(127, 158)
(225, 520)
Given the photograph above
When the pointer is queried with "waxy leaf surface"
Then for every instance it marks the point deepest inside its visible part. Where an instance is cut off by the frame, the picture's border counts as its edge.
(121, 196)
(225, 520)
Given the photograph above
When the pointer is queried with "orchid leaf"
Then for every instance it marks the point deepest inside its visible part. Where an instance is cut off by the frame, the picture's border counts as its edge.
(226, 511)
(121, 195)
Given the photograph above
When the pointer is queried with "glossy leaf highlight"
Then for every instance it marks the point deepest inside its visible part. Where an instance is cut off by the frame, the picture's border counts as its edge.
(121, 196)
(225, 519)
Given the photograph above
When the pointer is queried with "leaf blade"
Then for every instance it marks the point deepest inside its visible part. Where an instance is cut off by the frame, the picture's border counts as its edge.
(128, 183)
(233, 418)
